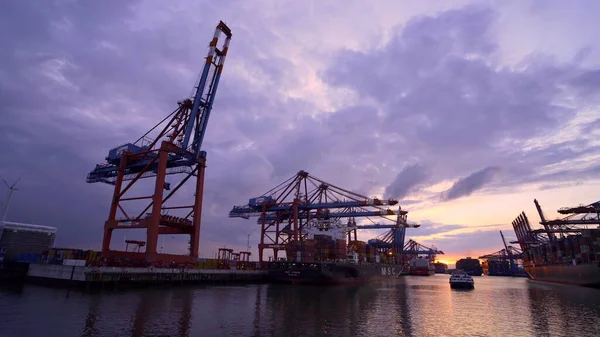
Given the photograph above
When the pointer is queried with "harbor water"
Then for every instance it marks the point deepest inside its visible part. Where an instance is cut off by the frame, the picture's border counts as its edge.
(409, 306)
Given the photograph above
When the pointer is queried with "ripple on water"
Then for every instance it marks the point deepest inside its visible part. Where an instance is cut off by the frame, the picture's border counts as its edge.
(410, 306)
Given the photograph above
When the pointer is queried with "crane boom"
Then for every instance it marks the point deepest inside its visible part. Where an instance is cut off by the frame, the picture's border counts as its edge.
(205, 95)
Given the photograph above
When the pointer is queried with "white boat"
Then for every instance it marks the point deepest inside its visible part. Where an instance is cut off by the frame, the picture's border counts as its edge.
(460, 279)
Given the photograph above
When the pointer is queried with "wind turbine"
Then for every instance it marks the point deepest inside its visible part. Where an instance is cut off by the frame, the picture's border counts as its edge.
(11, 189)
(248, 241)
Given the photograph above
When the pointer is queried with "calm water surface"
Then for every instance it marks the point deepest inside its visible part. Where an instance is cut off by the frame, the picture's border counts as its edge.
(412, 306)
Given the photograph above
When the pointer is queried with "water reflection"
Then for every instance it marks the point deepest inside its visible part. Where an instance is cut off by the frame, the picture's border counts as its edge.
(315, 311)
(564, 310)
(155, 313)
(405, 307)
(258, 305)
(89, 329)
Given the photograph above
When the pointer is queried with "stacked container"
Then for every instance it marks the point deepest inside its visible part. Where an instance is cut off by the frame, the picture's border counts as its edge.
(340, 249)
(308, 255)
(59, 255)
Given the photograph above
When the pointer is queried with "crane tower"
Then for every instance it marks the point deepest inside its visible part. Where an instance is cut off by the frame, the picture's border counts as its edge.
(177, 149)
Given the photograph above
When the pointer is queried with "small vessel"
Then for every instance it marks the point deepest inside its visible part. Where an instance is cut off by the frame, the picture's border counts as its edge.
(461, 280)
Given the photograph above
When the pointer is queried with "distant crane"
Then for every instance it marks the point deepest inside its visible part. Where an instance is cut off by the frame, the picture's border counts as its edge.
(176, 149)
(413, 249)
(504, 261)
(289, 210)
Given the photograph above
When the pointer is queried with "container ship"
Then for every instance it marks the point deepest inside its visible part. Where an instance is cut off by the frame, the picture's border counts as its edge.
(421, 267)
(497, 268)
(470, 266)
(300, 215)
(325, 260)
(565, 250)
(440, 268)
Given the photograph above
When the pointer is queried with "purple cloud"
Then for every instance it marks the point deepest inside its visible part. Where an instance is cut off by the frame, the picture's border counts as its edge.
(469, 184)
(79, 78)
(406, 181)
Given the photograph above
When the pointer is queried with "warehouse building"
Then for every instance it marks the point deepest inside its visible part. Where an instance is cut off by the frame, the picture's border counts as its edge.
(19, 238)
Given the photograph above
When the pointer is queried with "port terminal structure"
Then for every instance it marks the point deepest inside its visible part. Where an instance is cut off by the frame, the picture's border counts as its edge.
(289, 211)
(565, 250)
(578, 219)
(505, 262)
(175, 150)
(569, 233)
(392, 242)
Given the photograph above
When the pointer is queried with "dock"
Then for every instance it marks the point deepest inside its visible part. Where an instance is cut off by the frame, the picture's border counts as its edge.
(100, 277)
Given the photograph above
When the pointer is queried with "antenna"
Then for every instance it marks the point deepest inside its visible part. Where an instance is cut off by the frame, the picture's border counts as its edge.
(11, 189)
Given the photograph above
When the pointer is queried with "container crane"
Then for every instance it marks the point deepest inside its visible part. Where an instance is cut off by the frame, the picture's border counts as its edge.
(177, 149)
(413, 249)
(505, 261)
(540, 246)
(287, 211)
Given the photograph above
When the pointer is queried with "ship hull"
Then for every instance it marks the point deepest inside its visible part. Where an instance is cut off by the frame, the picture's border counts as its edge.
(440, 268)
(474, 272)
(462, 285)
(330, 273)
(470, 266)
(421, 271)
(581, 275)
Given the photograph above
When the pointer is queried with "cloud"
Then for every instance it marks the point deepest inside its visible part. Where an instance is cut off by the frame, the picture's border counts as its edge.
(431, 228)
(447, 104)
(408, 178)
(469, 184)
(416, 100)
(460, 241)
(76, 85)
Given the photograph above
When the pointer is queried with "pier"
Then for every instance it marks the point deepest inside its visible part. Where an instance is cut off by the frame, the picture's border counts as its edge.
(99, 277)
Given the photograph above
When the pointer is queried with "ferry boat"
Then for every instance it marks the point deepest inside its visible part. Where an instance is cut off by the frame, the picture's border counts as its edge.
(461, 280)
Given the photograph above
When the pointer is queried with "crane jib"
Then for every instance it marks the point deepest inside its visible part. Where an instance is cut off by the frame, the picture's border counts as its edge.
(203, 99)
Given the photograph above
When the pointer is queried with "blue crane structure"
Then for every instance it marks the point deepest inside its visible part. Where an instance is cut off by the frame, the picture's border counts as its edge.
(558, 238)
(505, 261)
(176, 149)
(578, 218)
(392, 243)
(303, 201)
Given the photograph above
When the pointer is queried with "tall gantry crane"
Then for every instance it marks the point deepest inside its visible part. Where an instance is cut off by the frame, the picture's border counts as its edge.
(177, 149)
(289, 210)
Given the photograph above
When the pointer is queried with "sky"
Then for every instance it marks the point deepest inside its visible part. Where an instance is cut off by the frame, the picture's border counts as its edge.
(465, 111)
